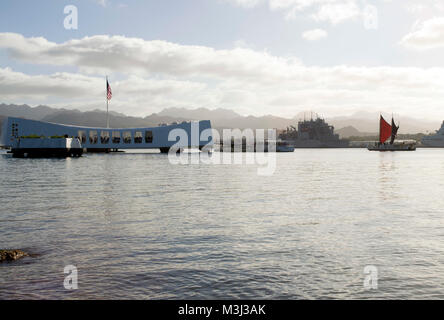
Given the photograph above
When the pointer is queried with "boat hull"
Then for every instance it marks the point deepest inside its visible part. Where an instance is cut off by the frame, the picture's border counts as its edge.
(46, 152)
(46, 147)
(392, 147)
(259, 147)
(435, 140)
(284, 148)
(433, 143)
(307, 144)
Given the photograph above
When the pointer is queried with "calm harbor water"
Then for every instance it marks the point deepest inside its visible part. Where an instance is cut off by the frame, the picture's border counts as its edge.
(138, 227)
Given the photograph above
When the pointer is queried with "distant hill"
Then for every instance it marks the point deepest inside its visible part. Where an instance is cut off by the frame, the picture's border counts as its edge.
(25, 111)
(369, 122)
(220, 118)
(358, 124)
(95, 118)
(199, 114)
(351, 131)
(98, 119)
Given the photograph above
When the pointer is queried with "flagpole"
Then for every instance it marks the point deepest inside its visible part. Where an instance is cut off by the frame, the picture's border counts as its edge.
(106, 97)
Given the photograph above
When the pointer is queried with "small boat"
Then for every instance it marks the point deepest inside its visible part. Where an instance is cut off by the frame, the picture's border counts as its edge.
(35, 147)
(284, 146)
(387, 131)
(408, 145)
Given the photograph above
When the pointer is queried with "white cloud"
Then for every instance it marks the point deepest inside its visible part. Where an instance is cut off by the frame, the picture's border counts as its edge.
(246, 3)
(133, 95)
(333, 11)
(420, 7)
(288, 4)
(337, 12)
(415, 8)
(103, 3)
(147, 76)
(102, 54)
(240, 43)
(314, 35)
(427, 35)
(77, 86)
(16, 84)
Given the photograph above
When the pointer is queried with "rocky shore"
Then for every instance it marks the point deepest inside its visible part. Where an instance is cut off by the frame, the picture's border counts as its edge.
(12, 255)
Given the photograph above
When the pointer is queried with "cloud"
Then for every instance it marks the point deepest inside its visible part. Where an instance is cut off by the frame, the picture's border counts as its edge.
(337, 12)
(147, 76)
(16, 84)
(314, 35)
(132, 95)
(246, 3)
(420, 7)
(333, 11)
(103, 3)
(427, 35)
(104, 54)
(415, 8)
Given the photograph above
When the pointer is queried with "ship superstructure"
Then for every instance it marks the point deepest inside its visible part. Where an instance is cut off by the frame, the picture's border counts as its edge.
(435, 140)
(313, 133)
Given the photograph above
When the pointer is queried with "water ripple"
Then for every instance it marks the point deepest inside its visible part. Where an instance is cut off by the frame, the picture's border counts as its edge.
(137, 227)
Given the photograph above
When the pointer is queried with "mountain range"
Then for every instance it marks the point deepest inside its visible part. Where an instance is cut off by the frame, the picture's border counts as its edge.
(358, 124)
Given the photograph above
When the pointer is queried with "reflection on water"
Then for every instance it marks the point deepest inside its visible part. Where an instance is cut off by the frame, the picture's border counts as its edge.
(138, 227)
(388, 176)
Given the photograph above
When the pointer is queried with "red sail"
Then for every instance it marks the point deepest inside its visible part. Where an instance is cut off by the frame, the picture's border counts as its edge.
(385, 130)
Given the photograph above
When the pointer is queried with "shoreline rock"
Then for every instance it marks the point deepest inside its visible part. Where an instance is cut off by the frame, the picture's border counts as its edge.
(12, 255)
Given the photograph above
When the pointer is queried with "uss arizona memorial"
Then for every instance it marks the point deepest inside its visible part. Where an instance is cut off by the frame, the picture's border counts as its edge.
(163, 137)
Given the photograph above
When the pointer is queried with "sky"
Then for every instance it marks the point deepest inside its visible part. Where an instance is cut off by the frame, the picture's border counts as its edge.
(256, 57)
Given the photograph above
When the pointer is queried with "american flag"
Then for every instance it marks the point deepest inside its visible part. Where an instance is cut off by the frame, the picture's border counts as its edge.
(109, 94)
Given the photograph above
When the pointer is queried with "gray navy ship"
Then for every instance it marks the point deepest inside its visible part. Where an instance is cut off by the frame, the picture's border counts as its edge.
(313, 133)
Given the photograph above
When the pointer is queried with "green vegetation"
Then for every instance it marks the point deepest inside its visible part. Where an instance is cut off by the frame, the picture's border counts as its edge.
(34, 136)
(31, 136)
